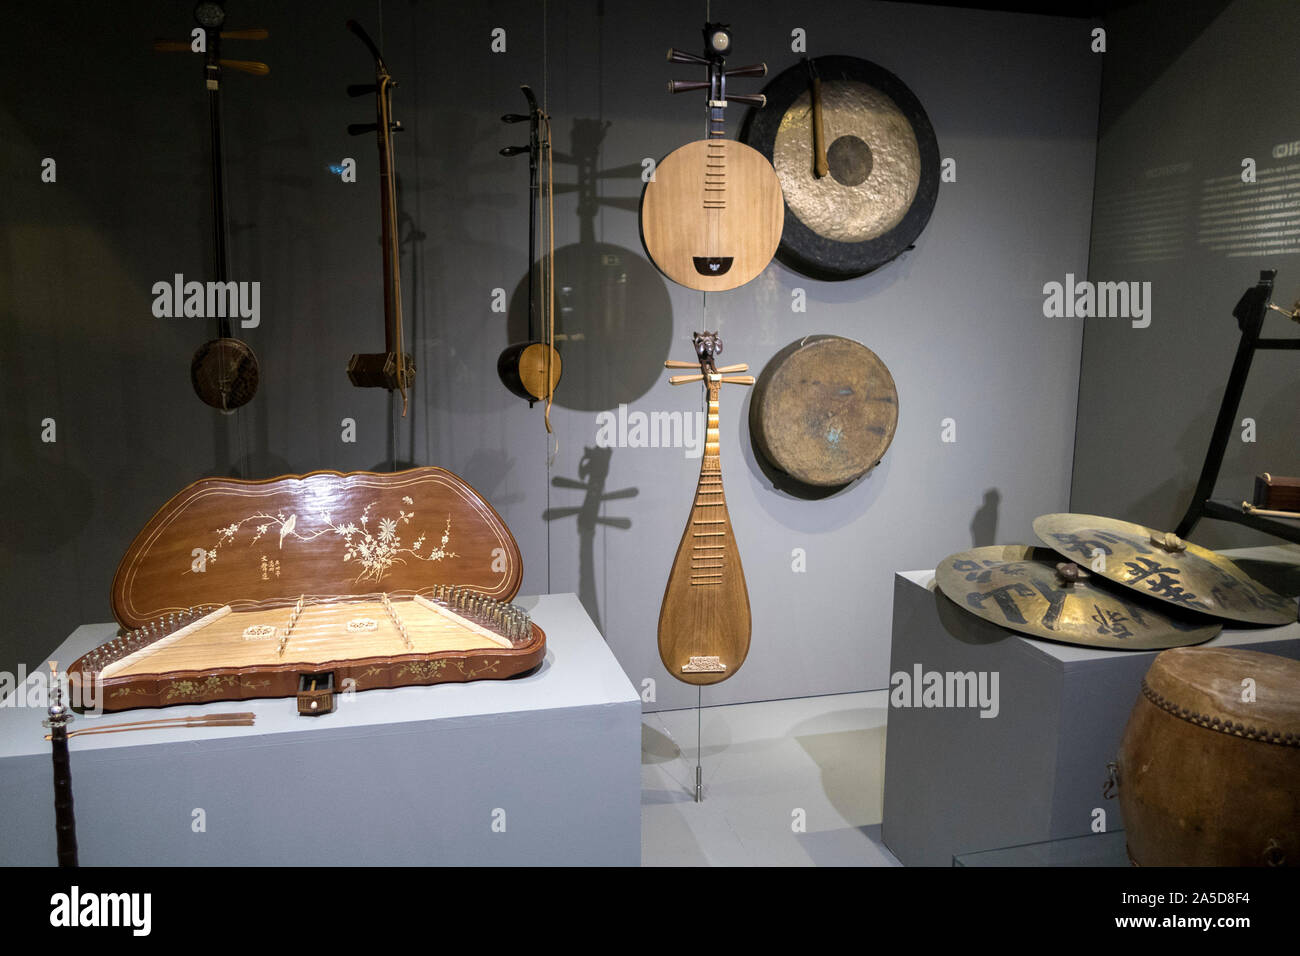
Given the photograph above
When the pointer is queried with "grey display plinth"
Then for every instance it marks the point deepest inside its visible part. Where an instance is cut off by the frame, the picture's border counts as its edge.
(542, 769)
(957, 783)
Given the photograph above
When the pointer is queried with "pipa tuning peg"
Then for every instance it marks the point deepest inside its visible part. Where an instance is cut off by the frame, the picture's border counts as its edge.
(252, 33)
(749, 99)
(685, 86)
(254, 67)
(754, 69)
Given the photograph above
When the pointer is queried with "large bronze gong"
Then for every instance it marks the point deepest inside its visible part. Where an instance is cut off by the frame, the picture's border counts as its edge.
(877, 188)
(824, 410)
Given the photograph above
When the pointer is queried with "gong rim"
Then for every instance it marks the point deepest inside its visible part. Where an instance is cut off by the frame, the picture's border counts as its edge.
(802, 248)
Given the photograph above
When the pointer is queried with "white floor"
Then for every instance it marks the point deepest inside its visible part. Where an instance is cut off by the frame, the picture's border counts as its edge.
(786, 783)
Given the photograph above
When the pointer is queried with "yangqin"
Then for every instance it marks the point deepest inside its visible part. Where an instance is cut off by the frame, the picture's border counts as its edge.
(313, 585)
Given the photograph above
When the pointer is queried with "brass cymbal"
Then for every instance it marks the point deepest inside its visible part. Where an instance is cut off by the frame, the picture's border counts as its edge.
(1030, 590)
(1160, 565)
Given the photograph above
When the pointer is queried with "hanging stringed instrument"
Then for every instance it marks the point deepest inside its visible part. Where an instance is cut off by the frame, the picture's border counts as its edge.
(712, 214)
(224, 370)
(704, 623)
(531, 369)
(393, 368)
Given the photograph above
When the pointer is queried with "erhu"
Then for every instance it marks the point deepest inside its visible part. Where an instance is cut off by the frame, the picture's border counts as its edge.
(393, 368)
(531, 369)
(704, 623)
(224, 370)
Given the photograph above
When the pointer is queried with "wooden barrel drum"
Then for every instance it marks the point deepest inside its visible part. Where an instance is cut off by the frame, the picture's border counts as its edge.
(1205, 777)
(824, 410)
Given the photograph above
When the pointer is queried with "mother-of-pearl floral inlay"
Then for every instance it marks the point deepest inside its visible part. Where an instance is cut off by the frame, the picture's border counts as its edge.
(375, 548)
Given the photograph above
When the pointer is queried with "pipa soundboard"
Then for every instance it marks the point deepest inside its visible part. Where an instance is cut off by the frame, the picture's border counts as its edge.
(312, 586)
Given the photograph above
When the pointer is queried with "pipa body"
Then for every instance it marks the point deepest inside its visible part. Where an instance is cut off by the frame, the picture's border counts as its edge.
(704, 623)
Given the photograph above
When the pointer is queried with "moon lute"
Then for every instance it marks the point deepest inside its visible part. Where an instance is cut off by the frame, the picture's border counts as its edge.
(712, 215)
(704, 622)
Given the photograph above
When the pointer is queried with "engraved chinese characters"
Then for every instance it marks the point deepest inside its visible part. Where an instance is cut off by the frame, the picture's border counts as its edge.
(1032, 591)
(1163, 566)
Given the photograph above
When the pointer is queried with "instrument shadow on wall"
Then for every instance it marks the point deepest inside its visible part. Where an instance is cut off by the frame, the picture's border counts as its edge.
(984, 524)
(593, 471)
(613, 315)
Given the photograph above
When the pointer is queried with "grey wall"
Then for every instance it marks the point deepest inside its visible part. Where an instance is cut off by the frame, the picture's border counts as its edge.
(958, 320)
(1190, 90)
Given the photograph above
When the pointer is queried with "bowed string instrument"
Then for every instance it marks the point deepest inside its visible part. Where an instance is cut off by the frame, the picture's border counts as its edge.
(531, 369)
(393, 368)
(224, 370)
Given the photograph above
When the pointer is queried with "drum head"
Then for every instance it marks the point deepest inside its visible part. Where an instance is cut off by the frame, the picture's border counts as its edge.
(824, 410)
(883, 159)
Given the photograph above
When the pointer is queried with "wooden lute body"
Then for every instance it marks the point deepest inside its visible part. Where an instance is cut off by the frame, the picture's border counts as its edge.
(704, 623)
(712, 214)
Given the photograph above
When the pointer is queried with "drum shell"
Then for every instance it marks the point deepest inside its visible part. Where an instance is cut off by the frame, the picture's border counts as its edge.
(1194, 795)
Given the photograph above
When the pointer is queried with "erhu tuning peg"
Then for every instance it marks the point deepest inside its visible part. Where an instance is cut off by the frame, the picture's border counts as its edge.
(515, 118)
(681, 56)
(361, 89)
(512, 150)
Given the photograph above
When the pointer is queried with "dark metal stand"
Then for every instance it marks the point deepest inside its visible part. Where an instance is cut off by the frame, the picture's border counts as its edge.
(1250, 312)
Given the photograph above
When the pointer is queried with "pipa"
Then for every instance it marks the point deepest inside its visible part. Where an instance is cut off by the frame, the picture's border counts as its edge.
(309, 585)
(704, 622)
